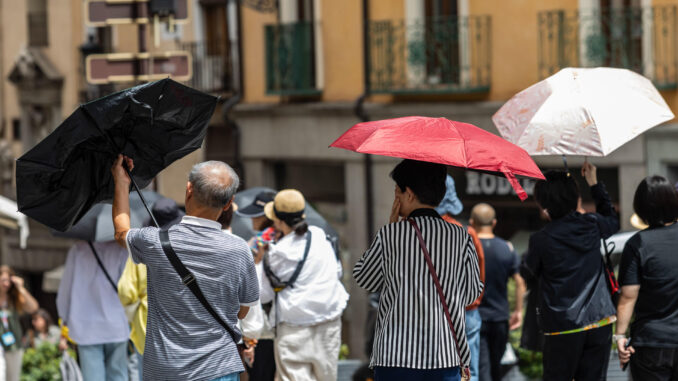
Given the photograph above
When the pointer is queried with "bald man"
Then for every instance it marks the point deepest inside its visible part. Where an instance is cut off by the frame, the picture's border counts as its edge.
(183, 341)
(501, 263)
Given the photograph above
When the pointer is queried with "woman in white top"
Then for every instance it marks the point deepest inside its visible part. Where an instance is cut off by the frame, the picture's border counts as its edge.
(308, 297)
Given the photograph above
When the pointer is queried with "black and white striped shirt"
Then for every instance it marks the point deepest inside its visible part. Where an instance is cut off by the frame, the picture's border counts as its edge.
(411, 329)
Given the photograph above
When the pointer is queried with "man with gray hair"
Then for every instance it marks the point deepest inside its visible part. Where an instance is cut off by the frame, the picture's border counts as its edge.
(183, 341)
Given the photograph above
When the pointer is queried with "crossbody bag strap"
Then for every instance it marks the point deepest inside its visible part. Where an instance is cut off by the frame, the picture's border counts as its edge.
(101, 265)
(188, 279)
(276, 282)
(439, 288)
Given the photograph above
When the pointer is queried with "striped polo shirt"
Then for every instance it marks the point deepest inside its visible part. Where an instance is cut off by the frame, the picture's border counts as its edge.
(183, 341)
(411, 329)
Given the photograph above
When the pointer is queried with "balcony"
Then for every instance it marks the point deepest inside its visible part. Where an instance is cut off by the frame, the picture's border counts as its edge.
(212, 66)
(441, 55)
(290, 60)
(640, 39)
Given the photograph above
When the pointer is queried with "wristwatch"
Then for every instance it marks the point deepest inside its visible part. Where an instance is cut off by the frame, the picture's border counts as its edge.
(616, 338)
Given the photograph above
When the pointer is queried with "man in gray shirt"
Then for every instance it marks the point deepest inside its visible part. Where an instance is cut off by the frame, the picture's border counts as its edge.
(183, 341)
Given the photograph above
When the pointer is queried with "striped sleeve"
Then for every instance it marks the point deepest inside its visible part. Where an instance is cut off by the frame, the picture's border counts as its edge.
(471, 274)
(368, 271)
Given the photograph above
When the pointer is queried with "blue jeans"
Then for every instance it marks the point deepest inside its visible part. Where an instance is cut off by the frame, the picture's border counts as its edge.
(104, 362)
(473, 324)
(384, 373)
(135, 361)
(229, 377)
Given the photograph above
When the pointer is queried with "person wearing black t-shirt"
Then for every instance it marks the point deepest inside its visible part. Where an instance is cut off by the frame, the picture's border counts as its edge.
(501, 264)
(648, 275)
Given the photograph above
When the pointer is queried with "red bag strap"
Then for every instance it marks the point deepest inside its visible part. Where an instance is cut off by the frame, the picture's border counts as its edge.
(439, 288)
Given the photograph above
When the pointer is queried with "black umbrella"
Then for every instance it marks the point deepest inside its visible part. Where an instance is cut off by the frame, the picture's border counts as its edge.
(242, 226)
(97, 225)
(155, 124)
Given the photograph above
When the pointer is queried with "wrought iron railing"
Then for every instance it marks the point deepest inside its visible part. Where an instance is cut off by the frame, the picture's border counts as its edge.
(435, 55)
(642, 39)
(212, 66)
(37, 29)
(290, 59)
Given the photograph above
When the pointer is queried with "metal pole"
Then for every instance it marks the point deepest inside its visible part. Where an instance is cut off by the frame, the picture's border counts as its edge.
(141, 195)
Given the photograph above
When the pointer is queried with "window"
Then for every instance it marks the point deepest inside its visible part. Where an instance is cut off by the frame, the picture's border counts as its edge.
(37, 23)
(442, 41)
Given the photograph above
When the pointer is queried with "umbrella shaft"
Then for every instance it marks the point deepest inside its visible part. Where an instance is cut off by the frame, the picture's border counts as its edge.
(141, 196)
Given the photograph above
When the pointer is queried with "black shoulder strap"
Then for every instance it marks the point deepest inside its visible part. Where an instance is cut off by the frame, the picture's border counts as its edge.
(101, 265)
(188, 279)
(278, 284)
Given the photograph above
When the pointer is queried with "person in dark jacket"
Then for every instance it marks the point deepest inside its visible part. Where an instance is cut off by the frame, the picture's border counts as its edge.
(574, 307)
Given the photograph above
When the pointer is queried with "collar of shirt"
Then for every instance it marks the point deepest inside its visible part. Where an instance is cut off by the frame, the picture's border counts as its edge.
(192, 220)
(424, 212)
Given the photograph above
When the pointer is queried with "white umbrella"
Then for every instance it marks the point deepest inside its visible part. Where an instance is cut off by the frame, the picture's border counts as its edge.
(589, 112)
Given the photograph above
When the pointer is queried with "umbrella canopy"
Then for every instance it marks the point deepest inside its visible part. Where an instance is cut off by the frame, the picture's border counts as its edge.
(440, 140)
(589, 112)
(97, 225)
(155, 124)
(242, 226)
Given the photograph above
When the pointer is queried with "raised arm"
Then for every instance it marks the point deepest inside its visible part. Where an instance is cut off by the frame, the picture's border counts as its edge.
(606, 216)
(121, 219)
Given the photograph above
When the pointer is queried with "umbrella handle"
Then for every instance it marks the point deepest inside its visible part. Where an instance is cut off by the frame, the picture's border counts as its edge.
(141, 195)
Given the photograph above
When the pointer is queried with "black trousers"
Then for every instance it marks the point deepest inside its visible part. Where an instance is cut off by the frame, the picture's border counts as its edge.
(493, 339)
(582, 356)
(655, 364)
(263, 368)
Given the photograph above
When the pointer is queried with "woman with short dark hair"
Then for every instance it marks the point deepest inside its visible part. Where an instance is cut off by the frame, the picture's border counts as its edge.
(417, 336)
(648, 276)
(574, 307)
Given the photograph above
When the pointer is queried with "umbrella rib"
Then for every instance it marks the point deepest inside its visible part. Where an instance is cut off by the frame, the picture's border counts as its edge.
(39, 163)
(94, 122)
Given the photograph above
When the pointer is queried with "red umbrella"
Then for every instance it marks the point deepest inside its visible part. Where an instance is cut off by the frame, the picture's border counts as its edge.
(439, 140)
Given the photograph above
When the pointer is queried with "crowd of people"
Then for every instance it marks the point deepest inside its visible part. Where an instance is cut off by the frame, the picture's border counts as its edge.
(189, 300)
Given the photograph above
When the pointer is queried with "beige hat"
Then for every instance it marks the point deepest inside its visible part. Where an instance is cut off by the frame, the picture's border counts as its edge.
(288, 202)
(637, 222)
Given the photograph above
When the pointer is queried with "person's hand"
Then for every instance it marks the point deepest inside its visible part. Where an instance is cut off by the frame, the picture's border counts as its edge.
(588, 171)
(259, 255)
(119, 174)
(18, 282)
(516, 320)
(63, 344)
(395, 211)
(624, 353)
(248, 356)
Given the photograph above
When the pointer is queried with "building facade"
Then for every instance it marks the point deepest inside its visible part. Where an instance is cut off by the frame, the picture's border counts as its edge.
(295, 74)
(313, 68)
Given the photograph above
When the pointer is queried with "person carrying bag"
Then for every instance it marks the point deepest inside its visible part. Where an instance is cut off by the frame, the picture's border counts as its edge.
(420, 331)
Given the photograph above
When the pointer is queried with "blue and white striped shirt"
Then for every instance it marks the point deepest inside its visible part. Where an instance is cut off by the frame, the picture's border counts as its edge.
(183, 341)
